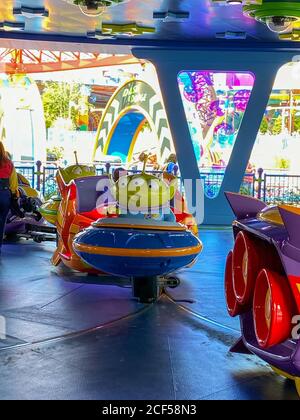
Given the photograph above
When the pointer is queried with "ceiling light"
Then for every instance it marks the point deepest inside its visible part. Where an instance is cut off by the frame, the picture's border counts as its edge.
(97, 34)
(94, 8)
(31, 12)
(171, 16)
(12, 26)
(234, 2)
(278, 16)
(92, 12)
(231, 35)
(279, 24)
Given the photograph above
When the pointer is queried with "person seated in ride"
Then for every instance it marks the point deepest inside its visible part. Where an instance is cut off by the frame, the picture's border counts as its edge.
(171, 165)
(9, 191)
(145, 196)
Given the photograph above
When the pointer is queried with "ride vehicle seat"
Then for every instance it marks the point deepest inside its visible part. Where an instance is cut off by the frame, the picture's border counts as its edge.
(94, 196)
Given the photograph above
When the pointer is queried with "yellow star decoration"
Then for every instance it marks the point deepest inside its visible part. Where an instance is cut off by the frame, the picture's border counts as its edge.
(294, 35)
(131, 29)
(245, 2)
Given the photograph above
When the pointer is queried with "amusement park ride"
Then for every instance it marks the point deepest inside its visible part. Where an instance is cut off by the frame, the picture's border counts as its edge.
(262, 282)
(94, 236)
(281, 17)
(94, 228)
(25, 219)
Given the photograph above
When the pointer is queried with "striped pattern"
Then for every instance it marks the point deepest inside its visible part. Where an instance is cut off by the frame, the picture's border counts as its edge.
(138, 253)
(149, 101)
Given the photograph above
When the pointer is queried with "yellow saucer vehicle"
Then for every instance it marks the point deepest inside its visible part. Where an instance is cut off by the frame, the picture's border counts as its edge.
(49, 210)
(24, 219)
(61, 211)
(24, 185)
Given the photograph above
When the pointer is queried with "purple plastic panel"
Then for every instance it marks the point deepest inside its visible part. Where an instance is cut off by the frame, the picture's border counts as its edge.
(243, 206)
(292, 223)
(92, 192)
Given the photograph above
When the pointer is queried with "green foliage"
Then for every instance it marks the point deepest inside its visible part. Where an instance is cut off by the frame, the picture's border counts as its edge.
(264, 127)
(56, 151)
(277, 126)
(62, 100)
(245, 190)
(296, 122)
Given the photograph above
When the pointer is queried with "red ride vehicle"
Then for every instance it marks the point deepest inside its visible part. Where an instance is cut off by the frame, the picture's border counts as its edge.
(262, 282)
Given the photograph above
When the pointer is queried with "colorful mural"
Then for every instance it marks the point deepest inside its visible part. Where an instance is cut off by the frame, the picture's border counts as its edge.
(215, 103)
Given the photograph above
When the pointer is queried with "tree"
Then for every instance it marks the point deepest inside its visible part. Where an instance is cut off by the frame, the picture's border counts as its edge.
(55, 153)
(296, 121)
(62, 100)
(277, 126)
(264, 127)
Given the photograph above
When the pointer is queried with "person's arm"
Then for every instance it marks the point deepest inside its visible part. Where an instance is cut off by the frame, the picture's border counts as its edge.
(13, 183)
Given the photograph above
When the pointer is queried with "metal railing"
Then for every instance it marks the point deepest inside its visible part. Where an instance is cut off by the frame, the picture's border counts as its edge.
(269, 187)
(281, 189)
(49, 185)
(28, 172)
(213, 182)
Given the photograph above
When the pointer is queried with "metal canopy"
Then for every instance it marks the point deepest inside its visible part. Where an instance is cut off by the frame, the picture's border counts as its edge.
(206, 19)
(37, 61)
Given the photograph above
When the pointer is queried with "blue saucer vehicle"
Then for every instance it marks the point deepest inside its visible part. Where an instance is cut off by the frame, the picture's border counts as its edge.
(169, 247)
(143, 244)
(141, 249)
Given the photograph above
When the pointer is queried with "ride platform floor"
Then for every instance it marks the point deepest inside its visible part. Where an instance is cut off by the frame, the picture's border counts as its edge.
(81, 337)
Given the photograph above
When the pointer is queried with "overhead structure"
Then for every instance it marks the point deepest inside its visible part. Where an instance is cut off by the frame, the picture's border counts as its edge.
(280, 16)
(94, 8)
(13, 61)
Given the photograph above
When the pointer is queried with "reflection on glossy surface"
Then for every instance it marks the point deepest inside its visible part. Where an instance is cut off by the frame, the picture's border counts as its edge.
(205, 19)
(161, 354)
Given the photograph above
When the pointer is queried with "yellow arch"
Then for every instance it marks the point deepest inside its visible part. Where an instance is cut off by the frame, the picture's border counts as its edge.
(138, 130)
(134, 139)
(121, 114)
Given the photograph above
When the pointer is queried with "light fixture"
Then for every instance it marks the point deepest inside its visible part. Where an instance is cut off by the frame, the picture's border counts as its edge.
(234, 2)
(31, 12)
(280, 24)
(231, 35)
(12, 26)
(238, 2)
(95, 8)
(90, 12)
(97, 34)
(278, 16)
(171, 16)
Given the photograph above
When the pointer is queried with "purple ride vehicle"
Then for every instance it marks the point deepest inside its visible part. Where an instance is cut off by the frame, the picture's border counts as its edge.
(262, 282)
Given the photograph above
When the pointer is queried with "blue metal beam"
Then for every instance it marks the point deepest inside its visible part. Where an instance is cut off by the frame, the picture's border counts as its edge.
(263, 64)
(140, 42)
